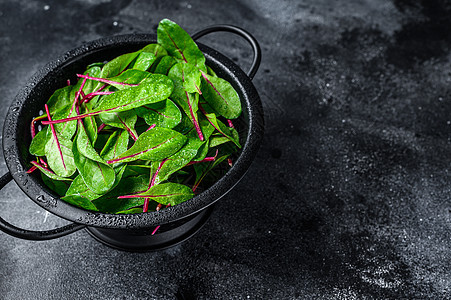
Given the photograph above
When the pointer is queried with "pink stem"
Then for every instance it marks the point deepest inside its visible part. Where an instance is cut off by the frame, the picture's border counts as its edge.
(54, 135)
(93, 94)
(68, 82)
(196, 125)
(158, 227)
(151, 127)
(105, 80)
(71, 118)
(210, 158)
(33, 168)
(230, 123)
(146, 205)
(101, 127)
(79, 92)
(155, 230)
(42, 162)
(229, 160)
(35, 163)
(33, 129)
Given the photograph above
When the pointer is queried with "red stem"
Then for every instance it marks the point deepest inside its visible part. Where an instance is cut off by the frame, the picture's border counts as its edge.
(193, 118)
(146, 205)
(33, 168)
(89, 96)
(105, 80)
(230, 123)
(155, 230)
(101, 127)
(32, 128)
(210, 158)
(151, 127)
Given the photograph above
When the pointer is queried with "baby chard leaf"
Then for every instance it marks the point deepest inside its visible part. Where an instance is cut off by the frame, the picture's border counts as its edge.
(78, 188)
(185, 154)
(189, 103)
(80, 201)
(188, 74)
(128, 185)
(124, 120)
(60, 98)
(162, 114)
(48, 173)
(115, 66)
(222, 97)
(222, 128)
(62, 163)
(37, 146)
(165, 65)
(155, 144)
(116, 144)
(151, 90)
(165, 193)
(129, 77)
(143, 61)
(179, 44)
(96, 173)
(156, 50)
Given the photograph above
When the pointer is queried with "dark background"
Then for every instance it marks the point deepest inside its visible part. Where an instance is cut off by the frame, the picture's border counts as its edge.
(348, 197)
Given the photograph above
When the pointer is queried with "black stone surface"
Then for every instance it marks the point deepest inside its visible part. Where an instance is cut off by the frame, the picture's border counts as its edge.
(349, 195)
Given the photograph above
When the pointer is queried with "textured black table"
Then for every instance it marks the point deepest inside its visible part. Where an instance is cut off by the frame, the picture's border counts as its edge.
(349, 197)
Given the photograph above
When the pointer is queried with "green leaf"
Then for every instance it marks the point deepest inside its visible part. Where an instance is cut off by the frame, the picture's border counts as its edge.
(90, 124)
(179, 44)
(80, 189)
(48, 173)
(118, 64)
(128, 185)
(165, 65)
(116, 144)
(143, 61)
(151, 90)
(156, 50)
(37, 146)
(221, 96)
(155, 144)
(80, 201)
(66, 129)
(61, 163)
(223, 129)
(211, 72)
(124, 120)
(60, 98)
(187, 101)
(188, 74)
(202, 151)
(186, 154)
(129, 77)
(96, 173)
(162, 114)
(202, 169)
(166, 193)
(90, 85)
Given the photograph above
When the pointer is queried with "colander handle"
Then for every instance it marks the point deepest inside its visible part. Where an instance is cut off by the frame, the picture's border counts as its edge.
(241, 32)
(30, 234)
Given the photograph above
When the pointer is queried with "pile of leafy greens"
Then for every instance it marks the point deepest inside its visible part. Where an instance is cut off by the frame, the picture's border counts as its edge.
(139, 132)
